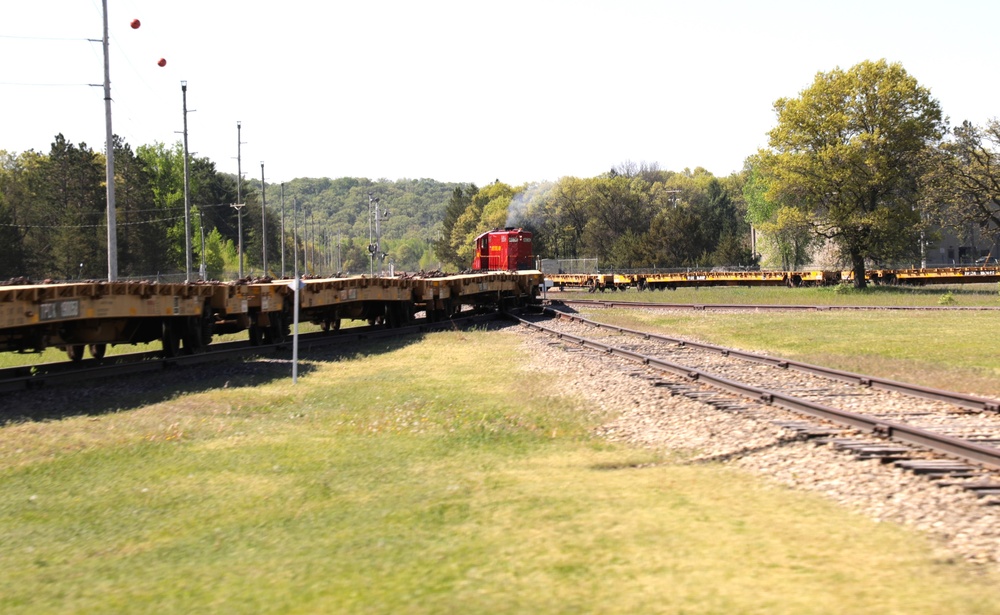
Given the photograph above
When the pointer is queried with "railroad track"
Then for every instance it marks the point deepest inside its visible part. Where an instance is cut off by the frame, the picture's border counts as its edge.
(943, 435)
(732, 307)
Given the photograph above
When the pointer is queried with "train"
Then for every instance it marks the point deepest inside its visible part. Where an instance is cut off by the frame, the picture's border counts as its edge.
(671, 280)
(88, 317)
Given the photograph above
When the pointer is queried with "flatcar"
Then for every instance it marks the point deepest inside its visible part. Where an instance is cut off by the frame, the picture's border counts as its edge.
(92, 315)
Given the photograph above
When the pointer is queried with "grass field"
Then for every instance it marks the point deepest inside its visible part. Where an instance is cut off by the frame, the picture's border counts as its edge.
(426, 475)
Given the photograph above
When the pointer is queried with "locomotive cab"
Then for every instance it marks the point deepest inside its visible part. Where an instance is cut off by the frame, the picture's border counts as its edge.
(503, 250)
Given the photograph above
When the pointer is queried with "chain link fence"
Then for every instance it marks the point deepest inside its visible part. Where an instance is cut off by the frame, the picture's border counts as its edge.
(569, 265)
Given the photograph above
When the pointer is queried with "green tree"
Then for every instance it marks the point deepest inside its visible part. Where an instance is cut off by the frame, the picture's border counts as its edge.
(487, 210)
(784, 233)
(677, 238)
(849, 151)
(962, 185)
(70, 193)
(618, 203)
(457, 204)
(14, 199)
(788, 235)
(142, 227)
(220, 257)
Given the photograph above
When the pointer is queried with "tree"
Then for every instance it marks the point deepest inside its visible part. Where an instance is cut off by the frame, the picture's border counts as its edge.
(962, 185)
(784, 232)
(457, 204)
(487, 209)
(14, 199)
(849, 151)
(142, 228)
(616, 204)
(69, 184)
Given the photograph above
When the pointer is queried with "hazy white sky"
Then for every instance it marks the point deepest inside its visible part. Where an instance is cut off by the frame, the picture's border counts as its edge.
(467, 91)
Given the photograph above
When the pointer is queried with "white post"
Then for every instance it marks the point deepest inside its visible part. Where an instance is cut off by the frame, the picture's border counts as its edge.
(296, 284)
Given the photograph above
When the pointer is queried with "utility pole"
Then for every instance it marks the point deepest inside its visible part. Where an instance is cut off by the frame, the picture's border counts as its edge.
(110, 165)
(311, 232)
(376, 215)
(263, 218)
(282, 229)
(203, 269)
(187, 194)
(380, 214)
(295, 235)
(238, 205)
(372, 203)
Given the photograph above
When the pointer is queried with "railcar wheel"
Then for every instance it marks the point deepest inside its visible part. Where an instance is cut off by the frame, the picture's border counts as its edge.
(171, 341)
(254, 334)
(277, 331)
(75, 352)
(98, 350)
(192, 338)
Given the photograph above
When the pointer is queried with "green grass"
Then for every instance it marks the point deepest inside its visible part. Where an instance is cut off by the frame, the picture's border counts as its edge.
(968, 295)
(422, 476)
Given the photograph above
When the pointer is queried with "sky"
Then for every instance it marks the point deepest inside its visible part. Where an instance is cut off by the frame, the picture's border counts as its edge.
(466, 91)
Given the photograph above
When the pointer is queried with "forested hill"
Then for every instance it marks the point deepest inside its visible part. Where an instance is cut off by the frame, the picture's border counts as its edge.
(53, 211)
(342, 208)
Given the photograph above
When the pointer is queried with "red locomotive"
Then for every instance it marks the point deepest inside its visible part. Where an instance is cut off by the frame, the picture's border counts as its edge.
(508, 249)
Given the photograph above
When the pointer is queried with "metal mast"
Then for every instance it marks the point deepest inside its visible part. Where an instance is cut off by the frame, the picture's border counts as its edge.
(263, 219)
(187, 194)
(110, 165)
(282, 229)
(238, 205)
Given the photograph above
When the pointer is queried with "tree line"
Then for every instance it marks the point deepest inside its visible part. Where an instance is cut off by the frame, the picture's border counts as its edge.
(861, 165)
(53, 218)
(634, 216)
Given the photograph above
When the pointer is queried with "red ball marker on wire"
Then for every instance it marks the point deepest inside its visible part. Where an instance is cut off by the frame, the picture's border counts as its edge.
(135, 23)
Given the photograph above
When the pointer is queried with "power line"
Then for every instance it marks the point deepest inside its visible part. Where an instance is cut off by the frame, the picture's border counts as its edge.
(45, 85)
(45, 38)
(31, 226)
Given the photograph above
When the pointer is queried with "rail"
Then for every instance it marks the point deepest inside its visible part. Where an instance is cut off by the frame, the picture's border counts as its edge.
(898, 432)
(972, 402)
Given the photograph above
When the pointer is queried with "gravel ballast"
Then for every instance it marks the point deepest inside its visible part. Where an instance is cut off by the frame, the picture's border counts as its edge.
(650, 416)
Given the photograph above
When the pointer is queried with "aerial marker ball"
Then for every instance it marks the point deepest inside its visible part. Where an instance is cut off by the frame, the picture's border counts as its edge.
(135, 24)
(162, 62)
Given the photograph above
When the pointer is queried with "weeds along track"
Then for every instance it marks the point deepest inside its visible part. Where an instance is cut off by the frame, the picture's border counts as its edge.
(863, 466)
